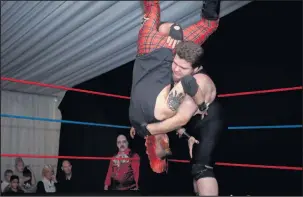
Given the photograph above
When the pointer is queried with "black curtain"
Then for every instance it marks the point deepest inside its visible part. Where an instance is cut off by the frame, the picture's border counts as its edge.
(256, 47)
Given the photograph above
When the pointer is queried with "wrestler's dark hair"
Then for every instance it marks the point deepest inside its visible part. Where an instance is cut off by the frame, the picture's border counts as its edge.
(191, 52)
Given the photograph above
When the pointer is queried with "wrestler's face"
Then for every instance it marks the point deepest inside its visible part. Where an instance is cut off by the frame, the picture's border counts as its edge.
(122, 143)
(181, 68)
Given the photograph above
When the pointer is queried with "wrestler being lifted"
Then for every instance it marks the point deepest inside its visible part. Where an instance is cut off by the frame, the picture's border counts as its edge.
(152, 97)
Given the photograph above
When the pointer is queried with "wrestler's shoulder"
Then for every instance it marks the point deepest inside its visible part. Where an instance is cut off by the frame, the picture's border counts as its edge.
(203, 78)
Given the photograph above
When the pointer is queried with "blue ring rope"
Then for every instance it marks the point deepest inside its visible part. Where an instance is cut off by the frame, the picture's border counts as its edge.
(65, 121)
(127, 127)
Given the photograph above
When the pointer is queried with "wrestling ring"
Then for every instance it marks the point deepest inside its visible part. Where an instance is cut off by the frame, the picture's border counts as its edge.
(299, 169)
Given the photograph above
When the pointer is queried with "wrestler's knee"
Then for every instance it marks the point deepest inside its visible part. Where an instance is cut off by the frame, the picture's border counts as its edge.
(199, 171)
(205, 179)
(208, 187)
(189, 85)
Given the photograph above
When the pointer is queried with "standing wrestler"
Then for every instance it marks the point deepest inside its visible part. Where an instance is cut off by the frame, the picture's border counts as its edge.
(152, 99)
(123, 174)
(207, 128)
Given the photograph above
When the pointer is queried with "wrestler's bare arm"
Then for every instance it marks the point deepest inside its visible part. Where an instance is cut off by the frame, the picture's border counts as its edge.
(186, 110)
(208, 87)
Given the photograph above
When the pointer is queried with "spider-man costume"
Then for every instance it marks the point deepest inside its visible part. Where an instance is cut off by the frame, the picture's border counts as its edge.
(152, 70)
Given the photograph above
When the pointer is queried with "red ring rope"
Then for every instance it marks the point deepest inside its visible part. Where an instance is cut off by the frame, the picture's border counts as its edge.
(171, 160)
(127, 97)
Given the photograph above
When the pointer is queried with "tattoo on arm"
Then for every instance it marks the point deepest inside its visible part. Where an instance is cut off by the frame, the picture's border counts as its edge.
(175, 99)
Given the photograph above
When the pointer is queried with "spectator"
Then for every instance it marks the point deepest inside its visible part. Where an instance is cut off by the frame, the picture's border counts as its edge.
(7, 177)
(19, 167)
(29, 186)
(28, 181)
(66, 181)
(13, 187)
(123, 174)
(48, 182)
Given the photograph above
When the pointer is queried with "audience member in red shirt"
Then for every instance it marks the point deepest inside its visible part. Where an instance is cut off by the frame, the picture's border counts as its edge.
(123, 174)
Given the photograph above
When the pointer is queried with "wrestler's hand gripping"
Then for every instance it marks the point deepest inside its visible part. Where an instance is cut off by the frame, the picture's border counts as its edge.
(191, 140)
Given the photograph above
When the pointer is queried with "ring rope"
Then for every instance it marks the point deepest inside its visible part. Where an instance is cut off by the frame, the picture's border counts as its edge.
(127, 97)
(64, 121)
(128, 127)
(171, 160)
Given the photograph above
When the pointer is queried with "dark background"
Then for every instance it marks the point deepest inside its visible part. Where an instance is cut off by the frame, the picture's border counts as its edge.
(256, 47)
